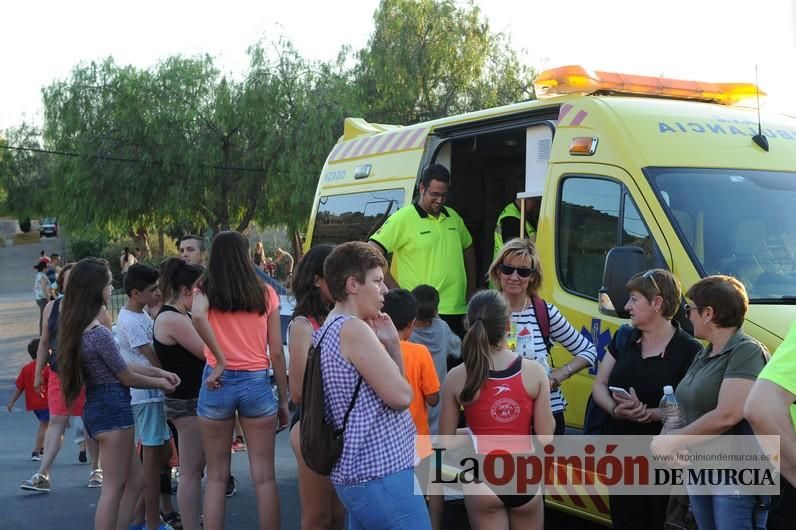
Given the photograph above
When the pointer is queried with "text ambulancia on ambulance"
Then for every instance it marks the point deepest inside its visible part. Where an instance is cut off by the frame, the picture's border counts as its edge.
(657, 172)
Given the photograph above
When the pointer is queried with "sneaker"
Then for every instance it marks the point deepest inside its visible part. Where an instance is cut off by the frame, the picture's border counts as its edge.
(163, 526)
(231, 486)
(238, 445)
(35, 456)
(95, 479)
(81, 457)
(37, 482)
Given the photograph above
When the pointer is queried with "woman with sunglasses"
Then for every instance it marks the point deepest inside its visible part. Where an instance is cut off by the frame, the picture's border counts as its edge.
(657, 353)
(517, 273)
(713, 392)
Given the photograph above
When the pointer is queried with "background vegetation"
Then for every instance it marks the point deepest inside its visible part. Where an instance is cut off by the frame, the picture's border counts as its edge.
(152, 153)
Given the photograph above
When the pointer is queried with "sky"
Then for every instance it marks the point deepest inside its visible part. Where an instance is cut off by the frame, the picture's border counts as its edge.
(705, 40)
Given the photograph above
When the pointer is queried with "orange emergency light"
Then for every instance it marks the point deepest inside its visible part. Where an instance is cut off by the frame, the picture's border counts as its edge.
(578, 80)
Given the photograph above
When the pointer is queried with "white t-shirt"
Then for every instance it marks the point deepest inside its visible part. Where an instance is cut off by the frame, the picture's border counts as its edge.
(134, 330)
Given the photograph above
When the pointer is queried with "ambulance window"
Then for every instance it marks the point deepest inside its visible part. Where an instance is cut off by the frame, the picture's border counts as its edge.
(354, 216)
(588, 227)
(635, 233)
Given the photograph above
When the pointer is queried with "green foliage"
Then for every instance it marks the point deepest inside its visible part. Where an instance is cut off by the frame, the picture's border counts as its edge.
(432, 58)
(84, 247)
(25, 176)
(179, 147)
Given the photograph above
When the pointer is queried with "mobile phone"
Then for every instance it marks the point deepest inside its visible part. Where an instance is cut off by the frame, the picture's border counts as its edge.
(620, 391)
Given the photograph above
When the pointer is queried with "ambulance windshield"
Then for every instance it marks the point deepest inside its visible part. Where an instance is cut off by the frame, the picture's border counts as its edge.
(736, 222)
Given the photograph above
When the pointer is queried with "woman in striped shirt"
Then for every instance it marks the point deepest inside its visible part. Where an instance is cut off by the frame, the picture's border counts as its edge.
(517, 273)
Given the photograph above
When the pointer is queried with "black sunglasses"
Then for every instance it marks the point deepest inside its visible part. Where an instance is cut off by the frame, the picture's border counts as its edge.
(522, 272)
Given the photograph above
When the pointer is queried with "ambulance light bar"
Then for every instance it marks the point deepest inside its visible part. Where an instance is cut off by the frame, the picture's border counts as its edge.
(578, 80)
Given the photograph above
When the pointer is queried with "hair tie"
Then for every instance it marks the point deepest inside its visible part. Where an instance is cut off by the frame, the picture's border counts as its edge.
(479, 319)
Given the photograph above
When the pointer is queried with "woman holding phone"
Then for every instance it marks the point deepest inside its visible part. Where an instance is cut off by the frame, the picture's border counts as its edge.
(656, 353)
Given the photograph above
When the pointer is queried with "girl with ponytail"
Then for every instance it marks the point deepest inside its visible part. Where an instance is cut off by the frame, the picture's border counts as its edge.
(502, 394)
(180, 350)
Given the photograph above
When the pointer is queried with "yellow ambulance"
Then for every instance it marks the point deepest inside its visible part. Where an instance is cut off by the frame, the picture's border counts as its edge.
(697, 183)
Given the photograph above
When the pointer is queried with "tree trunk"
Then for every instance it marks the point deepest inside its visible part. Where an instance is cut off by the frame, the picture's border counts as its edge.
(161, 243)
(297, 243)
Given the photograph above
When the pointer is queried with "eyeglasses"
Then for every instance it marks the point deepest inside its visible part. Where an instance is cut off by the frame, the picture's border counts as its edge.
(688, 307)
(650, 275)
(522, 272)
(435, 195)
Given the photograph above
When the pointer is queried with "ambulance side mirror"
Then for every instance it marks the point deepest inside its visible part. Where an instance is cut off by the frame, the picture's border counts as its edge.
(621, 264)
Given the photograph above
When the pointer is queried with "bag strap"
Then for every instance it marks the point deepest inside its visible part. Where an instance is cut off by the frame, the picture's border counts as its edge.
(339, 431)
(542, 319)
(353, 401)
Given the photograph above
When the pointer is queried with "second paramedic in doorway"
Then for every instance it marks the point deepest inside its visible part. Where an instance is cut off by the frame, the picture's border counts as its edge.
(431, 245)
(508, 222)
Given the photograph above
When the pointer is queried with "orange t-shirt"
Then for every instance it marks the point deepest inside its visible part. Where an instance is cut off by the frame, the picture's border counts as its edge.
(242, 336)
(422, 376)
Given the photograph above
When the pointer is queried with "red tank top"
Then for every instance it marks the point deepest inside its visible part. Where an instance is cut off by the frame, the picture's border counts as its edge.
(503, 407)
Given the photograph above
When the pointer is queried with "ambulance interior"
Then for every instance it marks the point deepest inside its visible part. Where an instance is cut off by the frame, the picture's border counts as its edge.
(736, 222)
(487, 171)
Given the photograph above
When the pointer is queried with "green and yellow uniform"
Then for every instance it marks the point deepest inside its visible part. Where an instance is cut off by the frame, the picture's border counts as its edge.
(510, 212)
(781, 369)
(428, 250)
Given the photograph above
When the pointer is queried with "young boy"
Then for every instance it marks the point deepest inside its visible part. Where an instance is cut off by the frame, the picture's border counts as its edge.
(435, 334)
(35, 400)
(401, 306)
(134, 331)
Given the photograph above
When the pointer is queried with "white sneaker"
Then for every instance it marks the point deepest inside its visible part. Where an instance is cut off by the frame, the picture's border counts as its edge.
(95, 479)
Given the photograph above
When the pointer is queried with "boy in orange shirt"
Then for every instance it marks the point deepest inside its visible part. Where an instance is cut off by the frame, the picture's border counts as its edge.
(419, 369)
(35, 398)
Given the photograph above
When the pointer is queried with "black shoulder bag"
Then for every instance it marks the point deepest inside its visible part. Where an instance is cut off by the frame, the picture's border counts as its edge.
(321, 444)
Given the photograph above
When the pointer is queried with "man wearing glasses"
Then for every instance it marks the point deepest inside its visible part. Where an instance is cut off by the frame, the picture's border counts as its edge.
(431, 245)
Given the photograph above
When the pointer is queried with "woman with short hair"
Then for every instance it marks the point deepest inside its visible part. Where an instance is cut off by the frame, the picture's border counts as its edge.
(642, 359)
(714, 390)
(360, 347)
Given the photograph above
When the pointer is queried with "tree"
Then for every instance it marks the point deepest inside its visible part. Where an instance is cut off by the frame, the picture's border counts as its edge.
(25, 173)
(432, 58)
(175, 143)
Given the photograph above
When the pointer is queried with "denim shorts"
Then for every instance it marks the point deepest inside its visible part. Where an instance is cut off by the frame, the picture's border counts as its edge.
(151, 428)
(107, 409)
(248, 392)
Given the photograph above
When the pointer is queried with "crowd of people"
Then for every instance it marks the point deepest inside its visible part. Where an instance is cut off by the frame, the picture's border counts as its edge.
(198, 347)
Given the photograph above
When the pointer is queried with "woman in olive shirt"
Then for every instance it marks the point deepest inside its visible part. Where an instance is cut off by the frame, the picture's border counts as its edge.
(713, 392)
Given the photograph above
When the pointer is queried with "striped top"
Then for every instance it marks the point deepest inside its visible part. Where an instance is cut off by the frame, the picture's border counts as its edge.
(378, 440)
(526, 340)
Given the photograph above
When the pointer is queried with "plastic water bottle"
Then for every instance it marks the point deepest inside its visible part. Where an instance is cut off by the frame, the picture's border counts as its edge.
(671, 414)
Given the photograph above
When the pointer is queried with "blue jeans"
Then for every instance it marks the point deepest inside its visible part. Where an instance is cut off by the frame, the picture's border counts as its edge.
(249, 393)
(388, 503)
(728, 512)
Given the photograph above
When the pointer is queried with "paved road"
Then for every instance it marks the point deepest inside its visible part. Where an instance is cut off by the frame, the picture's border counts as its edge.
(70, 504)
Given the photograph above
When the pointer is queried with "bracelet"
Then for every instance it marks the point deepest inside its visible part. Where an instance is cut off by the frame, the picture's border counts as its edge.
(569, 370)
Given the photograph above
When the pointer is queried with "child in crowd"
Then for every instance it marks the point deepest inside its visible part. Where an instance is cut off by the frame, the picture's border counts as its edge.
(435, 334)
(35, 399)
(134, 330)
(419, 370)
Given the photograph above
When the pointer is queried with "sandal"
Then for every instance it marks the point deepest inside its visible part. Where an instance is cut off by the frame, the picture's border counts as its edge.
(173, 519)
